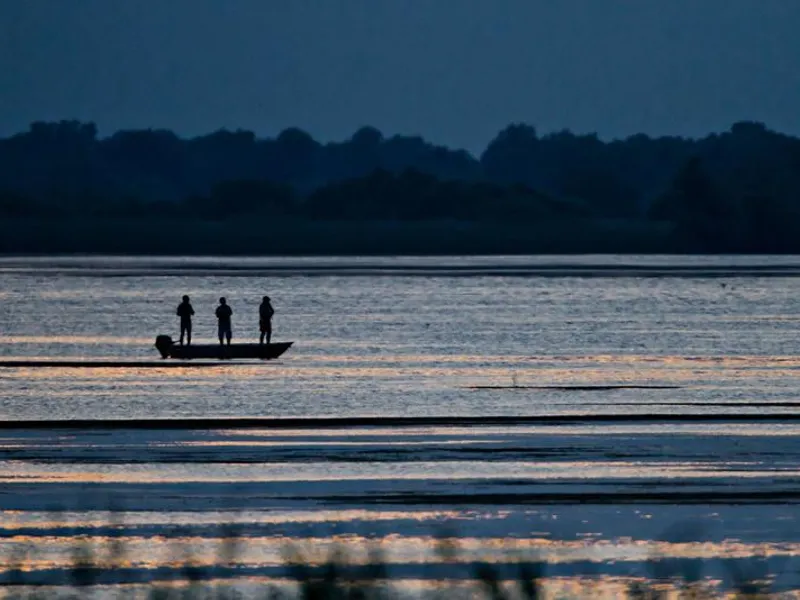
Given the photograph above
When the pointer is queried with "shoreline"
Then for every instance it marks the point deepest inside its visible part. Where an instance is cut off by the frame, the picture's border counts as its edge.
(393, 421)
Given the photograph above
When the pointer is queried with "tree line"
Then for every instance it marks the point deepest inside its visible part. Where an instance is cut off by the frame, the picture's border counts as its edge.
(733, 191)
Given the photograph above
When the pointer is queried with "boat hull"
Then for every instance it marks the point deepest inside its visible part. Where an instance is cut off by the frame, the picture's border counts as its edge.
(170, 349)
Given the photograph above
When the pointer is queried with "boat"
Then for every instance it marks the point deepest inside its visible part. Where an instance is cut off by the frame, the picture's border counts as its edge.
(169, 349)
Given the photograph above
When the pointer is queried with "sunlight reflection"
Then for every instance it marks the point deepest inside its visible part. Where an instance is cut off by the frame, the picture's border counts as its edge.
(382, 471)
(152, 551)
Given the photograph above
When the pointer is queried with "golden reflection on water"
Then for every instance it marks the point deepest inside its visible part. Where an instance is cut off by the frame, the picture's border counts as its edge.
(88, 340)
(466, 359)
(588, 471)
(15, 519)
(129, 375)
(312, 374)
(465, 433)
(337, 443)
(153, 551)
(419, 372)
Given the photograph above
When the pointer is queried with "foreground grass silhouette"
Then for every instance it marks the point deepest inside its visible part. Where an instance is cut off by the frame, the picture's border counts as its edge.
(105, 571)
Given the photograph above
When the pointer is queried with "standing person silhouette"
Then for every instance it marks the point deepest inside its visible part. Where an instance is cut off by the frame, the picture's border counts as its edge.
(265, 312)
(185, 312)
(224, 314)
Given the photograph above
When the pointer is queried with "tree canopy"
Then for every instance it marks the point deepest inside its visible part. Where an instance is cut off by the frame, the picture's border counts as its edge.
(734, 191)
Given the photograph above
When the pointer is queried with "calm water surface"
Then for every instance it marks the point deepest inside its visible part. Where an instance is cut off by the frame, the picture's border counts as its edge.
(444, 337)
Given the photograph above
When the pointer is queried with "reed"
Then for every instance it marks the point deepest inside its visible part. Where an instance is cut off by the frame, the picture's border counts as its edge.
(97, 572)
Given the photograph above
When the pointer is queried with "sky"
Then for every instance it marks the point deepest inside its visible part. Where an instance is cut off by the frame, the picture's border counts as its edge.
(454, 71)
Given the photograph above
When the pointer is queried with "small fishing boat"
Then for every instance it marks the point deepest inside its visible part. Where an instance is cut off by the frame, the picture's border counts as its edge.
(169, 349)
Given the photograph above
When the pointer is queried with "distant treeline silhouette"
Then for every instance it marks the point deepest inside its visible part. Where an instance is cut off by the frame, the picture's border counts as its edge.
(737, 191)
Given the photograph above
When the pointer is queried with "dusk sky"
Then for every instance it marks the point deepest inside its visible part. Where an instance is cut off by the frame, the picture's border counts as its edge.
(453, 71)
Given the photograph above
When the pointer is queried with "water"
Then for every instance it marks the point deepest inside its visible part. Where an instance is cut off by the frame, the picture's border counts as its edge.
(706, 446)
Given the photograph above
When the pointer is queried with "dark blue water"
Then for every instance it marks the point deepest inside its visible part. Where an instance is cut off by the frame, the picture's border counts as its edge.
(696, 359)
